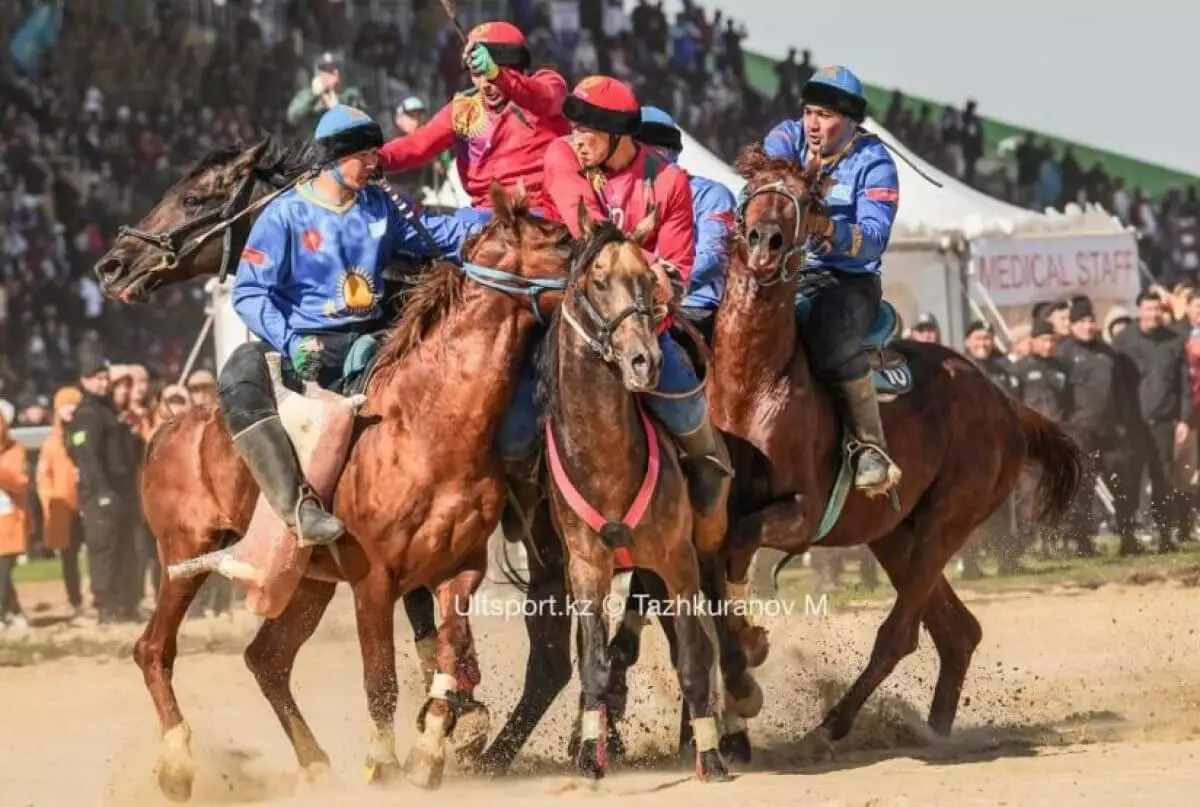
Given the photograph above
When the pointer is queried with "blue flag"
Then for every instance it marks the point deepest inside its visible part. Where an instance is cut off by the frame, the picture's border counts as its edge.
(37, 35)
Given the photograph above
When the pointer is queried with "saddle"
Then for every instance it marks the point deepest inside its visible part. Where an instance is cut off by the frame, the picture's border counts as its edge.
(268, 560)
(889, 367)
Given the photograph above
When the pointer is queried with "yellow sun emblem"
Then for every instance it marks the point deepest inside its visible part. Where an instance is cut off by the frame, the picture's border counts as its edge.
(356, 292)
(469, 115)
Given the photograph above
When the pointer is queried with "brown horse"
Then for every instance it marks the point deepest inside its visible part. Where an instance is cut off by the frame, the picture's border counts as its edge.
(960, 440)
(618, 494)
(420, 494)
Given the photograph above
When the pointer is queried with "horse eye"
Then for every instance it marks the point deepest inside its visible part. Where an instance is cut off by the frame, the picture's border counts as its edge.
(600, 285)
(192, 200)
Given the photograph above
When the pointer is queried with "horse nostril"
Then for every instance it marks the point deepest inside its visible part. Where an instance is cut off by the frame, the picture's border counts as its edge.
(109, 268)
(752, 237)
(640, 362)
(776, 242)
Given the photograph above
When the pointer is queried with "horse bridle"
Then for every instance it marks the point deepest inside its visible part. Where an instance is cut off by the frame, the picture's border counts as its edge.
(174, 244)
(601, 342)
(783, 274)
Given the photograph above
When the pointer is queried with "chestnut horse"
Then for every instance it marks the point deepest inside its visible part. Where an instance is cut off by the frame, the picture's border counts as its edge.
(960, 440)
(617, 492)
(420, 494)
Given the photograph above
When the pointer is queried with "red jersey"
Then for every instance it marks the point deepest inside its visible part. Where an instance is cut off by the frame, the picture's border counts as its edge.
(624, 197)
(504, 145)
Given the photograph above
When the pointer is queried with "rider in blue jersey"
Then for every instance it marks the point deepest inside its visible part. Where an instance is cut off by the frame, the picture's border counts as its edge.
(310, 286)
(844, 252)
(715, 218)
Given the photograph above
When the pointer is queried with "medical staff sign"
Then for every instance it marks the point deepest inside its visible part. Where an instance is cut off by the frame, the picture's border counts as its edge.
(1024, 271)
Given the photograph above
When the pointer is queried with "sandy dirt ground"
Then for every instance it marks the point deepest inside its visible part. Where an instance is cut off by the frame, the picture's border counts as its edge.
(1075, 697)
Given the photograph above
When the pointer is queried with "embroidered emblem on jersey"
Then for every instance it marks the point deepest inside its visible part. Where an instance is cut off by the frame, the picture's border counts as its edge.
(254, 256)
(377, 228)
(474, 125)
(884, 195)
(311, 239)
(839, 193)
(356, 292)
(469, 114)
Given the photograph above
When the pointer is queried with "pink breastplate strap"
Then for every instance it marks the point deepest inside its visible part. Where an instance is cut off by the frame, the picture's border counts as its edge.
(622, 556)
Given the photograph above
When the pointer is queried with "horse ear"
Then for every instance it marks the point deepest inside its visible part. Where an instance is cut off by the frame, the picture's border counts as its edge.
(501, 203)
(645, 228)
(250, 157)
(587, 225)
(520, 195)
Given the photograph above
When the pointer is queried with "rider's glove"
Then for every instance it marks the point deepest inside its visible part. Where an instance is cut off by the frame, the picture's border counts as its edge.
(481, 63)
(305, 356)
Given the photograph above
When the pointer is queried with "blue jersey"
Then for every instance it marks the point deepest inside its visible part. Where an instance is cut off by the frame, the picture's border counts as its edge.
(862, 203)
(310, 266)
(715, 211)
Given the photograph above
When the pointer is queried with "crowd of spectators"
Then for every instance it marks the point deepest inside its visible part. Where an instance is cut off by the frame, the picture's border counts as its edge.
(119, 107)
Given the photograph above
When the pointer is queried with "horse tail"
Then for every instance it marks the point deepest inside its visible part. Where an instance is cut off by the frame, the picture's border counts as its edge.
(1048, 445)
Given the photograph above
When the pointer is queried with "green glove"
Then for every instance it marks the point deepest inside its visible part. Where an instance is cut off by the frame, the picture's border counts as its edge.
(306, 357)
(480, 62)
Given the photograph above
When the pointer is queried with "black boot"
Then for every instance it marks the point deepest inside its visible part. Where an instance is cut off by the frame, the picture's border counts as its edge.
(706, 462)
(874, 470)
(268, 453)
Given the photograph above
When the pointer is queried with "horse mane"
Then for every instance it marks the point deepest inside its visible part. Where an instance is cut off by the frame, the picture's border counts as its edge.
(435, 295)
(546, 358)
(282, 162)
(753, 160)
(439, 291)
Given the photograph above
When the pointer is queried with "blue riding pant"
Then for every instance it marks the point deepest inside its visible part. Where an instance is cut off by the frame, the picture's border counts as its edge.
(518, 435)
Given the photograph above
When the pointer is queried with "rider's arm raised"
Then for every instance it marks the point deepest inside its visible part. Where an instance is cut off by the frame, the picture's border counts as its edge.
(264, 265)
(785, 141)
(878, 200)
(424, 144)
(542, 93)
(565, 186)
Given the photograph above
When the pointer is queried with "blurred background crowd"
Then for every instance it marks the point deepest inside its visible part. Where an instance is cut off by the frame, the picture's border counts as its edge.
(104, 104)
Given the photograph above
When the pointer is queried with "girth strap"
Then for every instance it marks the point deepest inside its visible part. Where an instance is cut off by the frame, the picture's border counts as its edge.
(609, 530)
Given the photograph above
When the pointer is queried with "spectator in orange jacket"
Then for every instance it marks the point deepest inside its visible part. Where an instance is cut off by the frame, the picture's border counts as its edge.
(14, 523)
(58, 492)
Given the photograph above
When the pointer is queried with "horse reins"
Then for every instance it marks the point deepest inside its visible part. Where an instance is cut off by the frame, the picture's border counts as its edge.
(174, 244)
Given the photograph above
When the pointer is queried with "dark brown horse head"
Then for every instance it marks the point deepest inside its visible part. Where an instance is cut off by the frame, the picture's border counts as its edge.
(201, 224)
(611, 299)
(778, 195)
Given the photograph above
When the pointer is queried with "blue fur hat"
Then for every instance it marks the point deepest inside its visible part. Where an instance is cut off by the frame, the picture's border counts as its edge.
(659, 129)
(344, 130)
(838, 89)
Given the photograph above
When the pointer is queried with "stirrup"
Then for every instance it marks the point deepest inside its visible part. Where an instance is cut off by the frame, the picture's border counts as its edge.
(307, 494)
(856, 447)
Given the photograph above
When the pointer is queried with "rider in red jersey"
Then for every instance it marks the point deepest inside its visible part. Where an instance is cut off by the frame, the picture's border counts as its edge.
(499, 129)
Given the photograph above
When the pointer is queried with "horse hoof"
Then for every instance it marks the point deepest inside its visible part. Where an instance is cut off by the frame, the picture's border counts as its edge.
(381, 772)
(754, 645)
(317, 775)
(817, 745)
(425, 769)
(746, 701)
(470, 734)
(736, 747)
(590, 759)
(710, 767)
(175, 781)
